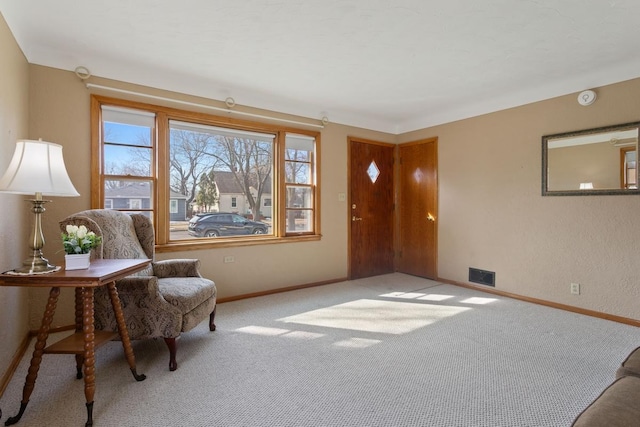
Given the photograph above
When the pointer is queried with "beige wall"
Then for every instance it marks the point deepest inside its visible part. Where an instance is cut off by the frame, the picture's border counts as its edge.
(492, 216)
(14, 211)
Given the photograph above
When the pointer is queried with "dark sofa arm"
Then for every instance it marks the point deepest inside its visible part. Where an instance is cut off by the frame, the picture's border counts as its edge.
(617, 406)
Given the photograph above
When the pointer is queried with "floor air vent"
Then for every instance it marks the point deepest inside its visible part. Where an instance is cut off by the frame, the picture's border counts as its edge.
(481, 276)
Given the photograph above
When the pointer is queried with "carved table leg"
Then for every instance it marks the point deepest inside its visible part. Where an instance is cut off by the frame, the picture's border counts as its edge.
(79, 309)
(89, 351)
(122, 330)
(41, 342)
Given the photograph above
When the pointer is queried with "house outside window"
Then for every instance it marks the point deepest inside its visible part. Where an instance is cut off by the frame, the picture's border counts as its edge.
(108, 203)
(206, 164)
(135, 204)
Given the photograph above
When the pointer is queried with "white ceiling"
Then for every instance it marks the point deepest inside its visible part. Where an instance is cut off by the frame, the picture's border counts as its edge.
(387, 65)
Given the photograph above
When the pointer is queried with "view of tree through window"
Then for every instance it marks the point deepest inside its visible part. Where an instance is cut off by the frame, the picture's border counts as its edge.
(202, 180)
(212, 166)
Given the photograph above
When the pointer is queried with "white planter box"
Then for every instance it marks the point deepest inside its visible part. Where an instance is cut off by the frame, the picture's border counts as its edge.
(76, 262)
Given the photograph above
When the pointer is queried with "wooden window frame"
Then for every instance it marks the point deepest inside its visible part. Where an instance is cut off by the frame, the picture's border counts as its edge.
(160, 166)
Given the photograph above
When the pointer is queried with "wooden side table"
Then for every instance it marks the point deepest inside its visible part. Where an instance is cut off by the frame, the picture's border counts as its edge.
(102, 272)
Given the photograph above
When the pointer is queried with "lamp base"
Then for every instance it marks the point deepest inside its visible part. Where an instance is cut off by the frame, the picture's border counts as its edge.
(36, 264)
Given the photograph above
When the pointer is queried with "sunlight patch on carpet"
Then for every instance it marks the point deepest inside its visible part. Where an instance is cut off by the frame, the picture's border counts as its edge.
(435, 297)
(357, 343)
(478, 300)
(278, 332)
(403, 295)
(388, 317)
(261, 330)
(417, 295)
(303, 335)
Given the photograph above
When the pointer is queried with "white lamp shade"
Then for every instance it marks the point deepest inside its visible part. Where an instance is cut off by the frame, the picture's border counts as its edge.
(37, 167)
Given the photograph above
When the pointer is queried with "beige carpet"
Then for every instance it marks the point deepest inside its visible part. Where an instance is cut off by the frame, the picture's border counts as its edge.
(392, 350)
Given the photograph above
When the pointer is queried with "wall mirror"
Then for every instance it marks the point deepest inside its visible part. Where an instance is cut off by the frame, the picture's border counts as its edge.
(591, 161)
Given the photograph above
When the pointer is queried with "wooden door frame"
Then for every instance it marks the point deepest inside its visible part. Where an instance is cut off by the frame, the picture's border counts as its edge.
(351, 139)
(623, 169)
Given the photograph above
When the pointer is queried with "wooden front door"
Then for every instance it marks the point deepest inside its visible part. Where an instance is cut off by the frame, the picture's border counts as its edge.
(371, 198)
(418, 211)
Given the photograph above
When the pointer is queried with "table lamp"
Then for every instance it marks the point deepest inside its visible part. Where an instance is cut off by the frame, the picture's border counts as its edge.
(37, 167)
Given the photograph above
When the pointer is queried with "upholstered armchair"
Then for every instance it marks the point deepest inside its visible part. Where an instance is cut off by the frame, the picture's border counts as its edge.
(164, 300)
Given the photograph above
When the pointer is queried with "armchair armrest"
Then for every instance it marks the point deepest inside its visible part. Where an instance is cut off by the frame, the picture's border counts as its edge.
(177, 268)
(147, 311)
(137, 285)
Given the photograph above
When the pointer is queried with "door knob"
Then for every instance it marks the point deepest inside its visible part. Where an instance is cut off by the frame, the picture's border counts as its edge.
(355, 218)
(430, 217)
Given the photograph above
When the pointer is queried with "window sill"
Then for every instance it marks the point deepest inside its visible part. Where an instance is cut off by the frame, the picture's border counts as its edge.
(214, 243)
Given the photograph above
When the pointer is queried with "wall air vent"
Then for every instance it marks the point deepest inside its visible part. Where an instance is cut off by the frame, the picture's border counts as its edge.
(482, 276)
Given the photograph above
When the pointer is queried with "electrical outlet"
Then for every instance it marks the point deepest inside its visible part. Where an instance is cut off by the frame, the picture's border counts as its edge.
(229, 259)
(575, 288)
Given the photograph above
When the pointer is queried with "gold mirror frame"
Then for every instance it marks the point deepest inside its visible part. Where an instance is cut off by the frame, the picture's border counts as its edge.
(573, 140)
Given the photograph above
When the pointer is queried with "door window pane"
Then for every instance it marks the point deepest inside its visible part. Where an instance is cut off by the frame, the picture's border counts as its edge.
(373, 172)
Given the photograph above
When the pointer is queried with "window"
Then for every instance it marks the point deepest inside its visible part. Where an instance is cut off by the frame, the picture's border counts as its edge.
(171, 164)
(299, 183)
(127, 158)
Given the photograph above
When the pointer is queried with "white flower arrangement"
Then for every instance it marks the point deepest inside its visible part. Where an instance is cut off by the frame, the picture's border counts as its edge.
(78, 240)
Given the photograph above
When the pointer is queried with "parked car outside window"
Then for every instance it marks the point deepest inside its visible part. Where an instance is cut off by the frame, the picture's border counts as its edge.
(214, 224)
